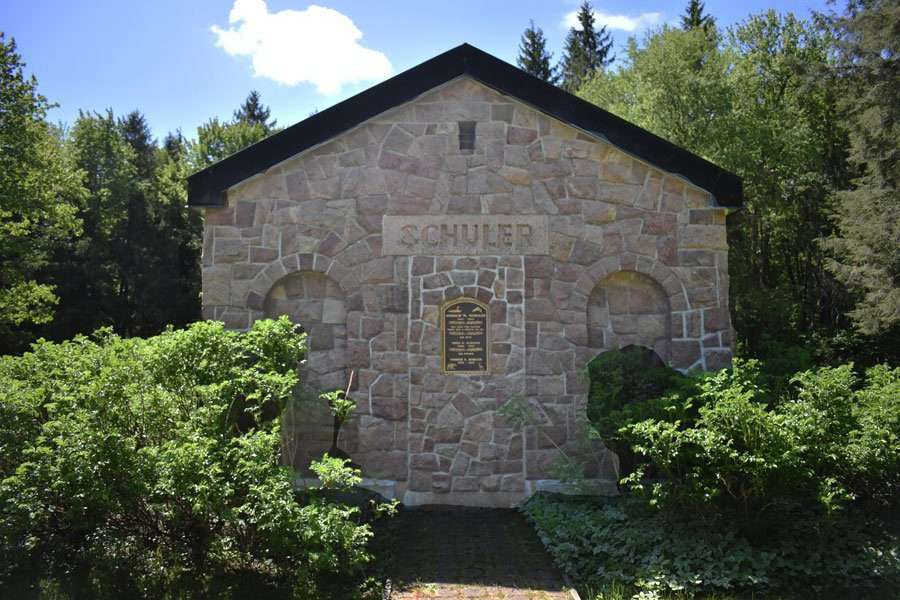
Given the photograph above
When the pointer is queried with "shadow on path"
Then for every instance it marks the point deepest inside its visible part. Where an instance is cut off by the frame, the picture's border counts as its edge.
(455, 552)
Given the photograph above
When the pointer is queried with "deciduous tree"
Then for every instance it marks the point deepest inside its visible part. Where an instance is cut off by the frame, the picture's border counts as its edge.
(40, 190)
(217, 139)
(754, 106)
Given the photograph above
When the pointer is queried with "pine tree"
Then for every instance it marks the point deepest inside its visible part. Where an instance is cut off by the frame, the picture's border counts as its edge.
(693, 17)
(533, 57)
(587, 50)
(254, 112)
(175, 145)
(137, 134)
(865, 248)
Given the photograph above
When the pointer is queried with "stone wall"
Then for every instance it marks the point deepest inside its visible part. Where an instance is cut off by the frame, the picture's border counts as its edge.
(635, 255)
(317, 302)
(628, 308)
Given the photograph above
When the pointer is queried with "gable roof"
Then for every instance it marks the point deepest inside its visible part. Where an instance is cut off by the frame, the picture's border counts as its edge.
(207, 187)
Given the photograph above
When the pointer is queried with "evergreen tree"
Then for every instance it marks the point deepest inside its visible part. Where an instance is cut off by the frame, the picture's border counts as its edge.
(866, 247)
(175, 145)
(586, 51)
(135, 268)
(533, 57)
(254, 112)
(694, 18)
(136, 133)
(89, 274)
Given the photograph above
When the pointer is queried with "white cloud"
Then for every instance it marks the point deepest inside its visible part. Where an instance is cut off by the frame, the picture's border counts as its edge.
(621, 22)
(318, 45)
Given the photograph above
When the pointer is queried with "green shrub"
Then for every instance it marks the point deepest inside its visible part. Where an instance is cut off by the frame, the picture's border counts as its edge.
(622, 543)
(780, 362)
(873, 449)
(754, 478)
(626, 386)
(731, 444)
(154, 464)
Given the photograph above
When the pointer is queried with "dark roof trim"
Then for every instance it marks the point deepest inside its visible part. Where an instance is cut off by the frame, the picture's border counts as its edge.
(207, 187)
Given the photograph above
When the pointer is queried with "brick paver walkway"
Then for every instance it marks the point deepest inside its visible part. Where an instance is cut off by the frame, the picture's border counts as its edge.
(487, 553)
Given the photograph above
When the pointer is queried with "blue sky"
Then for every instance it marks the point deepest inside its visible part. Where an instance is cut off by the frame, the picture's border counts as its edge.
(184, 61)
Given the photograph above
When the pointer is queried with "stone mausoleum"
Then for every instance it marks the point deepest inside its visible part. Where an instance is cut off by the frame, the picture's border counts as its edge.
(460, 236)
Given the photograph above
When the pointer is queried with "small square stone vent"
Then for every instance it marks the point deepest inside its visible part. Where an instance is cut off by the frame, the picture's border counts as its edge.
(467, 136)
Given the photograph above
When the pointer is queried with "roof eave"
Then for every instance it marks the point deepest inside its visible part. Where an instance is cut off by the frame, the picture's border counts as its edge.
(207, 187)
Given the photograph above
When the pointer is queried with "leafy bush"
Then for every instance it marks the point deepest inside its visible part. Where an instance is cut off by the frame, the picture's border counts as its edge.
(780, 362)
(153, 465)
(731, 444)
(873, 448)
(622, 541)
(628, 385)
(752, 478)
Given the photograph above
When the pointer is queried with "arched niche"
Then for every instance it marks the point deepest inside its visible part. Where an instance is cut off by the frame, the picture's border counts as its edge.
(316, 303)
(628, 308)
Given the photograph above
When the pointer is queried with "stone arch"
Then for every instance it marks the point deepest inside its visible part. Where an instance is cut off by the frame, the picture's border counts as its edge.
(315, 302)
(630, 308)
(664, 276)
(265, 280)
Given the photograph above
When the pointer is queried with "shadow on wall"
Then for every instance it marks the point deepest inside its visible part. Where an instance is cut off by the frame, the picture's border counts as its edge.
(626, 380)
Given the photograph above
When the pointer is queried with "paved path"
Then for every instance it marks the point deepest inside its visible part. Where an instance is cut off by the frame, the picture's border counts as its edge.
(455, 553)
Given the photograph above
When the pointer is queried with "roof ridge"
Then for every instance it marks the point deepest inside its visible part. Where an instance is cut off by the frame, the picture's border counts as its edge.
(207, 186)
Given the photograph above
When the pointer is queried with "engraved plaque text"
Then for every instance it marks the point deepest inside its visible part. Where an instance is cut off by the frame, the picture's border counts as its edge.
(464, 337)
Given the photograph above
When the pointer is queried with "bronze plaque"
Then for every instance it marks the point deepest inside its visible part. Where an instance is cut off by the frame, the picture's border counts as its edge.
(464, 337)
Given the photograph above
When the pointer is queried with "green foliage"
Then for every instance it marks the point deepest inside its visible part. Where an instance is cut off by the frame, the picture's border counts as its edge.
(40, 191)
(587, 50)
(94, 225)
(865, 253)
(623, 545)
(753, 100)
(750, 479)
(873, 445)
(533, 56)
(335, 474)
(626, 386)
(341, 406)
(733, 445)
(151, 466)
(136, 265)
(254, 112)
(781, 362)
(217, 140)
(695, 18)
(623, 382)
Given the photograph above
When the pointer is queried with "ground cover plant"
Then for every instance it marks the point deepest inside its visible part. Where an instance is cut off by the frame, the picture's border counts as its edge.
(623, 544)
(743, 481)
(151, 468)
